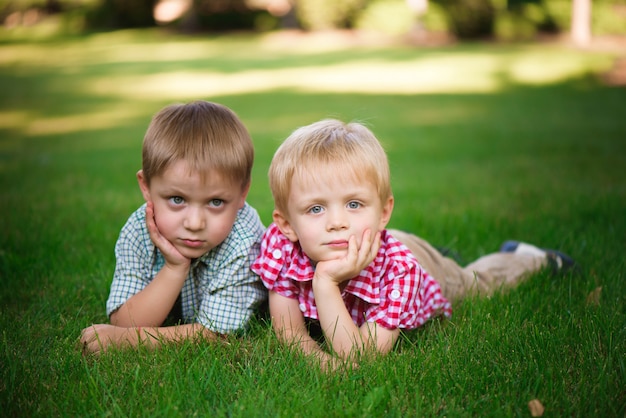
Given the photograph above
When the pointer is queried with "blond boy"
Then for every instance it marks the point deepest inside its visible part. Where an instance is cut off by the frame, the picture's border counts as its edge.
(328, 259)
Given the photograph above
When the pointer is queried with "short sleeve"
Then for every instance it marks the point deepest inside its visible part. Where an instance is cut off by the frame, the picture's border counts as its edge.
(134, 258)
(271, 265)
(399, 297)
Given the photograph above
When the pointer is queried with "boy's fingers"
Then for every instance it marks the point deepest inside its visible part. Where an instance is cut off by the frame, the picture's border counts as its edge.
(88, 337)
(369, 249)
(353, 250)
(375, 246)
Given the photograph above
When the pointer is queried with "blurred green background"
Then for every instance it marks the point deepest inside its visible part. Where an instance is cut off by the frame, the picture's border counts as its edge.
(461, 19)
(487, 139)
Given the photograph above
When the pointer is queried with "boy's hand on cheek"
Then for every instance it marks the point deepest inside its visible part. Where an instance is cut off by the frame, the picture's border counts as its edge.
(356, 259)
(172, 256)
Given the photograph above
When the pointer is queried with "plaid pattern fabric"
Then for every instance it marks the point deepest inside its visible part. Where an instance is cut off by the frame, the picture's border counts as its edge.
(220, 292)
(394, 290)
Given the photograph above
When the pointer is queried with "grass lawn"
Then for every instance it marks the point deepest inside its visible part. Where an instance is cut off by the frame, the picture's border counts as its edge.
(486, 143)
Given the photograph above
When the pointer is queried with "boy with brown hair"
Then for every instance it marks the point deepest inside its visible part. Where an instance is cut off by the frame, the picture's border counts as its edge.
(186, 253)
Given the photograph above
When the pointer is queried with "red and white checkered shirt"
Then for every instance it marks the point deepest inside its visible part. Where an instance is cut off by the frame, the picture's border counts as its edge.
(394, 290)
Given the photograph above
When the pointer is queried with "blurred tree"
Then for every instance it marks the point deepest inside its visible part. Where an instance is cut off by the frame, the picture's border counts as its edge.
(219, 15)
(524, 20)
(46, 6)
(389, 17)
(470, 19)
(122, 14)
(327, 14)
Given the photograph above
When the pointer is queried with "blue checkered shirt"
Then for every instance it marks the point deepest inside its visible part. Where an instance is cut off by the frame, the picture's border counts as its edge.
(221, 292)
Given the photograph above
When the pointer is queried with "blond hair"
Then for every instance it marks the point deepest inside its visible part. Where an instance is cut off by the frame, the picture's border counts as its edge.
(207, 136)
(326, 150)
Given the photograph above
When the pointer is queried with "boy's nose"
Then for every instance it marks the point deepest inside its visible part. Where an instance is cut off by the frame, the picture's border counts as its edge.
(194, 220)
(336, 220)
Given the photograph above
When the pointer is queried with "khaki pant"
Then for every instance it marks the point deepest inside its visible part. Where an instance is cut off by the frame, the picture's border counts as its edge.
(488, 274)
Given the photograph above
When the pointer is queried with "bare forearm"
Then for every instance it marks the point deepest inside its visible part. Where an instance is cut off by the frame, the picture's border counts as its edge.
(302, 341)
(150, 307)
(155, 336)
(101, 337)
(339, 329)
(289, 326)
(297, 337)
(336, 322)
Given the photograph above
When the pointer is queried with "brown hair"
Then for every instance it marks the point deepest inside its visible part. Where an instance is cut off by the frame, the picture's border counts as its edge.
(325, 150)
(207, 136)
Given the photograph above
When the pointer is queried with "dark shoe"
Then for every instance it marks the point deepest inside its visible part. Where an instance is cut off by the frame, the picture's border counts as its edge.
(509, 246)
(560, 262)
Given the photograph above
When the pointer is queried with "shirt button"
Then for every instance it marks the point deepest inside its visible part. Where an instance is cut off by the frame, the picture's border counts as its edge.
(277, 254)
(395, 294)
(302, 307)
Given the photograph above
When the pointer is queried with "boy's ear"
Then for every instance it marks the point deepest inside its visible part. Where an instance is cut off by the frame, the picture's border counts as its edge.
(143, 185)
(385, 214)
(244, 195)
(285, 227)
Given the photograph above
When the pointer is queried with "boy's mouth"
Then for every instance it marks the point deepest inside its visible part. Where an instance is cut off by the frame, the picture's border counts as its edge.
(337, 244)
(193, 243)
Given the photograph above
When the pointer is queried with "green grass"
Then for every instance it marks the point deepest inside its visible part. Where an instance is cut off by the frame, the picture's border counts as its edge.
(486, 143)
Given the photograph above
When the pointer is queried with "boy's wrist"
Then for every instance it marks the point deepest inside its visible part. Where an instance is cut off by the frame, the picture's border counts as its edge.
(324, 282)
(177, 269)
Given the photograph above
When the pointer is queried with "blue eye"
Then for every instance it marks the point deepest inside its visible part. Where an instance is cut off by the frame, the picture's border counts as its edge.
(316, 209)
(354, 205)
(216, 202)
(177, 200)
